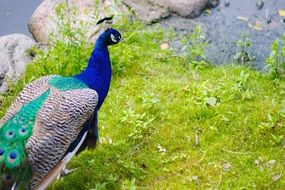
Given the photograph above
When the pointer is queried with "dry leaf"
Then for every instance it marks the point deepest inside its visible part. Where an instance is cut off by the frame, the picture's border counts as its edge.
(281, 12)
(271, 163)
(161, 149)
(276, 177)
(257, 25)
(245, 19)
(185, 88)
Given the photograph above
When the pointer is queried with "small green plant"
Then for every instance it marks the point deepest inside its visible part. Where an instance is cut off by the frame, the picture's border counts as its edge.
(129, 185)
(243, 57)
(68, 28)
(276, 59)
(141, 125)
(194, 45)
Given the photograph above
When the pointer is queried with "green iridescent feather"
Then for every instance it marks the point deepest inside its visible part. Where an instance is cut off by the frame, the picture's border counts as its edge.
(66, 83)
(15, 132)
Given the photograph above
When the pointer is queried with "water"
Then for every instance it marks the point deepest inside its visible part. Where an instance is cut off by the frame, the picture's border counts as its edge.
(15, 15)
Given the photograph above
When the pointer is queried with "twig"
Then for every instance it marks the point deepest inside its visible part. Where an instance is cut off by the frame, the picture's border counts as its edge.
(234, 152)
(196, 138)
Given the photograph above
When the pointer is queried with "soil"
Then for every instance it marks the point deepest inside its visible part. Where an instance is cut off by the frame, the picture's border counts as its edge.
(225, 25)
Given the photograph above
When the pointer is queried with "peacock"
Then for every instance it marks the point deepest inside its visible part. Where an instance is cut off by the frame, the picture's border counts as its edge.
(50, 119)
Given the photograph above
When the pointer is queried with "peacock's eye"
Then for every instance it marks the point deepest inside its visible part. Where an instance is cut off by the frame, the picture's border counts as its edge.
(13, 155)
(10, 134)
(113, 38)
(8, 177)
(1, 152)
(23, 131)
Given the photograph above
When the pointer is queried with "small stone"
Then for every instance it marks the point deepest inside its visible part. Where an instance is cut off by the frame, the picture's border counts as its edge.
(227, 167)
(227, 3)
(259, 4)
(269, 20)
(164, 46)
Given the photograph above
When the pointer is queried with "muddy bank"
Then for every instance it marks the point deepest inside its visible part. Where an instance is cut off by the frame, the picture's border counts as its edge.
(226, 24)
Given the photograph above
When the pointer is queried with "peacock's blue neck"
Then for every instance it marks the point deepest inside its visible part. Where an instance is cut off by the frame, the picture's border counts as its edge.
(98, 73)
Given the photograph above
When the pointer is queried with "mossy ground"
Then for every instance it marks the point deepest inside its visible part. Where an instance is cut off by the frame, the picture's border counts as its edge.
(166, 125)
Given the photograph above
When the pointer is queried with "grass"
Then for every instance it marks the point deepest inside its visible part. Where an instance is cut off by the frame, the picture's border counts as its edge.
(165, 125)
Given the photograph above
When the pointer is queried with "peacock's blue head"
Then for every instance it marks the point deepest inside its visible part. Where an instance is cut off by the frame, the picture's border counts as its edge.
(110, 37)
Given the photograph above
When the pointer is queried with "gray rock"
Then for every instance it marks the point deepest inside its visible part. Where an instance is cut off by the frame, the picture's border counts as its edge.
(82, 14)
(152, 11)
(187, 8)
(147, 11)
(13, 57)
(259, 4)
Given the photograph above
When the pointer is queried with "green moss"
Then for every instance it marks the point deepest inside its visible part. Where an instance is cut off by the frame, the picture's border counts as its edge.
(158, 129)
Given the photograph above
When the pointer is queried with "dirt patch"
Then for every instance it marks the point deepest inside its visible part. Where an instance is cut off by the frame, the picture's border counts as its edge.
(225, 25)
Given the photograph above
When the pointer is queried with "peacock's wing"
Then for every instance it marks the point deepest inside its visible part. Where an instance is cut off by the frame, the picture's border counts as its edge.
(29, 93)
(58, 123)
(14, 128)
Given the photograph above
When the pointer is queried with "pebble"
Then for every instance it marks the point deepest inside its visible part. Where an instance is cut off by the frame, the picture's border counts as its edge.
(259, 4)
(164, 46)
(227, 167)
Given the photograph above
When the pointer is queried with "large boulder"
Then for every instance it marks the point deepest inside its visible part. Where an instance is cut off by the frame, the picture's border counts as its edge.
(150, 11)
(147, 11)
(82, 14)
(187, 8)
(13, 57)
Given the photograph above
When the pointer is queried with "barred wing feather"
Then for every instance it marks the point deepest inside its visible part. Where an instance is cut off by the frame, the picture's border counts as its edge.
(29, 93)
(58, 124)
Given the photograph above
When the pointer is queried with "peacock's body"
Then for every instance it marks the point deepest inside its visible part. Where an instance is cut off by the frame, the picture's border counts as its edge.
(50, 119)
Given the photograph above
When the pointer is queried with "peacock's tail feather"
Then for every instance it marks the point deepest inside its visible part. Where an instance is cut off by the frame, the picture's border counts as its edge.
(46, 105)
(13, 137)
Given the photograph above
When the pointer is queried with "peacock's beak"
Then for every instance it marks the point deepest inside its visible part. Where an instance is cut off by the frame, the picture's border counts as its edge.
(121, 39)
